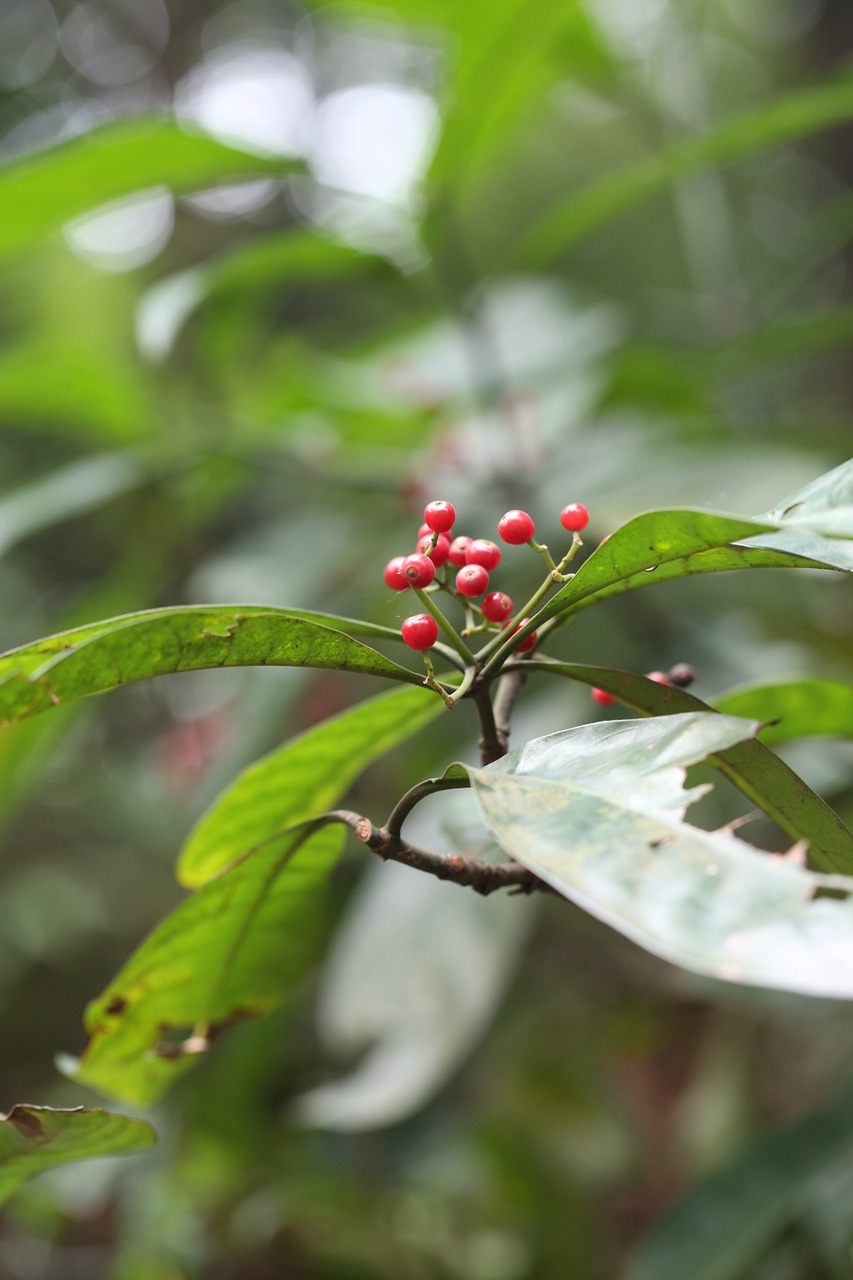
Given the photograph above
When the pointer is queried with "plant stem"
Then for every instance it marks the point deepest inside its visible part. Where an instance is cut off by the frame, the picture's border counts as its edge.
(455, 639)
(406, 803)
(497, 656)
(483, 877)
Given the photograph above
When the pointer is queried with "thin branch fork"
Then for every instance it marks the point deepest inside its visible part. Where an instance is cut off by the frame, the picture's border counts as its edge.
(482, 877)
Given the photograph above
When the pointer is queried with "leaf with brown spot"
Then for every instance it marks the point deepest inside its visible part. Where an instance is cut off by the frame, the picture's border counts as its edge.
(33, 1139)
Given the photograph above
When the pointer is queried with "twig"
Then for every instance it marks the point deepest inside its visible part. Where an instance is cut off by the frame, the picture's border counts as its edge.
(509, 687)
(406, 803)
(482, 877)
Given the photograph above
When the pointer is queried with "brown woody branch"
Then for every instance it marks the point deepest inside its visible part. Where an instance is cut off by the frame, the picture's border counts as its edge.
(482, 877)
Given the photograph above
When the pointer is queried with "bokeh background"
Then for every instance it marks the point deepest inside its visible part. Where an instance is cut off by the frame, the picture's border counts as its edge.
(242, 389)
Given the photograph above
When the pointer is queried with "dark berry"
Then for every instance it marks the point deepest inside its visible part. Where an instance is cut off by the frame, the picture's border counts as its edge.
(682, 674)
(574, 517)
(497, 606)
(516, 527)
(393, 577)
(483, 552)
(458, 549)
(602, 697)
(439, 552)
(472, 580)
(418, 570)
(439, 515)
(420, 631)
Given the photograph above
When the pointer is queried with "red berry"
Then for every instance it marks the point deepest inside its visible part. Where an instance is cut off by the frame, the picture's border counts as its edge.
(602, 697)
(439, 552)
(439, 515)
(418, 570)
(528, 642)
(659, 677)
(574, 517)
(472, 580)
(516, 527)
(458, 550)
(420, 631)
(497, 606)
(393, 577)
(425, 532)
(483, 552)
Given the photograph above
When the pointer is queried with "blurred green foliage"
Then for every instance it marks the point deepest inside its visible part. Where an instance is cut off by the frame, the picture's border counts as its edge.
(591, 251)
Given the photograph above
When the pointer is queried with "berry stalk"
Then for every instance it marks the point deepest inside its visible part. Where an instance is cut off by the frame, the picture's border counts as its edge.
(449, 630)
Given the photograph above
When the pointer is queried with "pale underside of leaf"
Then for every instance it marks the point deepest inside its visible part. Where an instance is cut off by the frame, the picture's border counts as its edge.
(751, 766)
(703, 900)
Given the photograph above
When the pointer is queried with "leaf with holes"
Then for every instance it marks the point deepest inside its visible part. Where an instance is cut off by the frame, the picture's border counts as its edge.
(753, 768)
(597, 812)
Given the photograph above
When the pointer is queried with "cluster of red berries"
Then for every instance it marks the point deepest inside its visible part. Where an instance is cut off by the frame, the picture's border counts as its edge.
(474, 558)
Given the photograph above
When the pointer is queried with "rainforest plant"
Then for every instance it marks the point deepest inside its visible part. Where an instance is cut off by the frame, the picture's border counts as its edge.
(594, 813)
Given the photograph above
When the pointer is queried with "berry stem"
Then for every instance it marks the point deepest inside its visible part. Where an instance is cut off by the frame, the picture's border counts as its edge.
(406, 803)
(558, 574)
(544, 552)
(496, 652)
(432, 683)
(463, 687)
(453, 636)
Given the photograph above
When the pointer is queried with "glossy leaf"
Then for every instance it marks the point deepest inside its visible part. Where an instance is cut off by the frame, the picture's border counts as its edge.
(794, 116)
(794, 708)
(751, 766)
(231, 951)
(724, 1227)
(158, 642)
(825, 506)
(33, 1139)
(39, 193)
(596, 812)
(661, 545)
(300, 780)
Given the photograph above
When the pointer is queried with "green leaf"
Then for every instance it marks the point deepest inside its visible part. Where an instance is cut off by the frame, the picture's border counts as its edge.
(727, 1224)
(794, 116)
(596, 812)
(661, 545)
(231, 951)
(33, 1139)
(751, 766)
(158, 642)
(794, 708)
(41, 192)
(825, 506)
(247, 937)
(300, 780)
